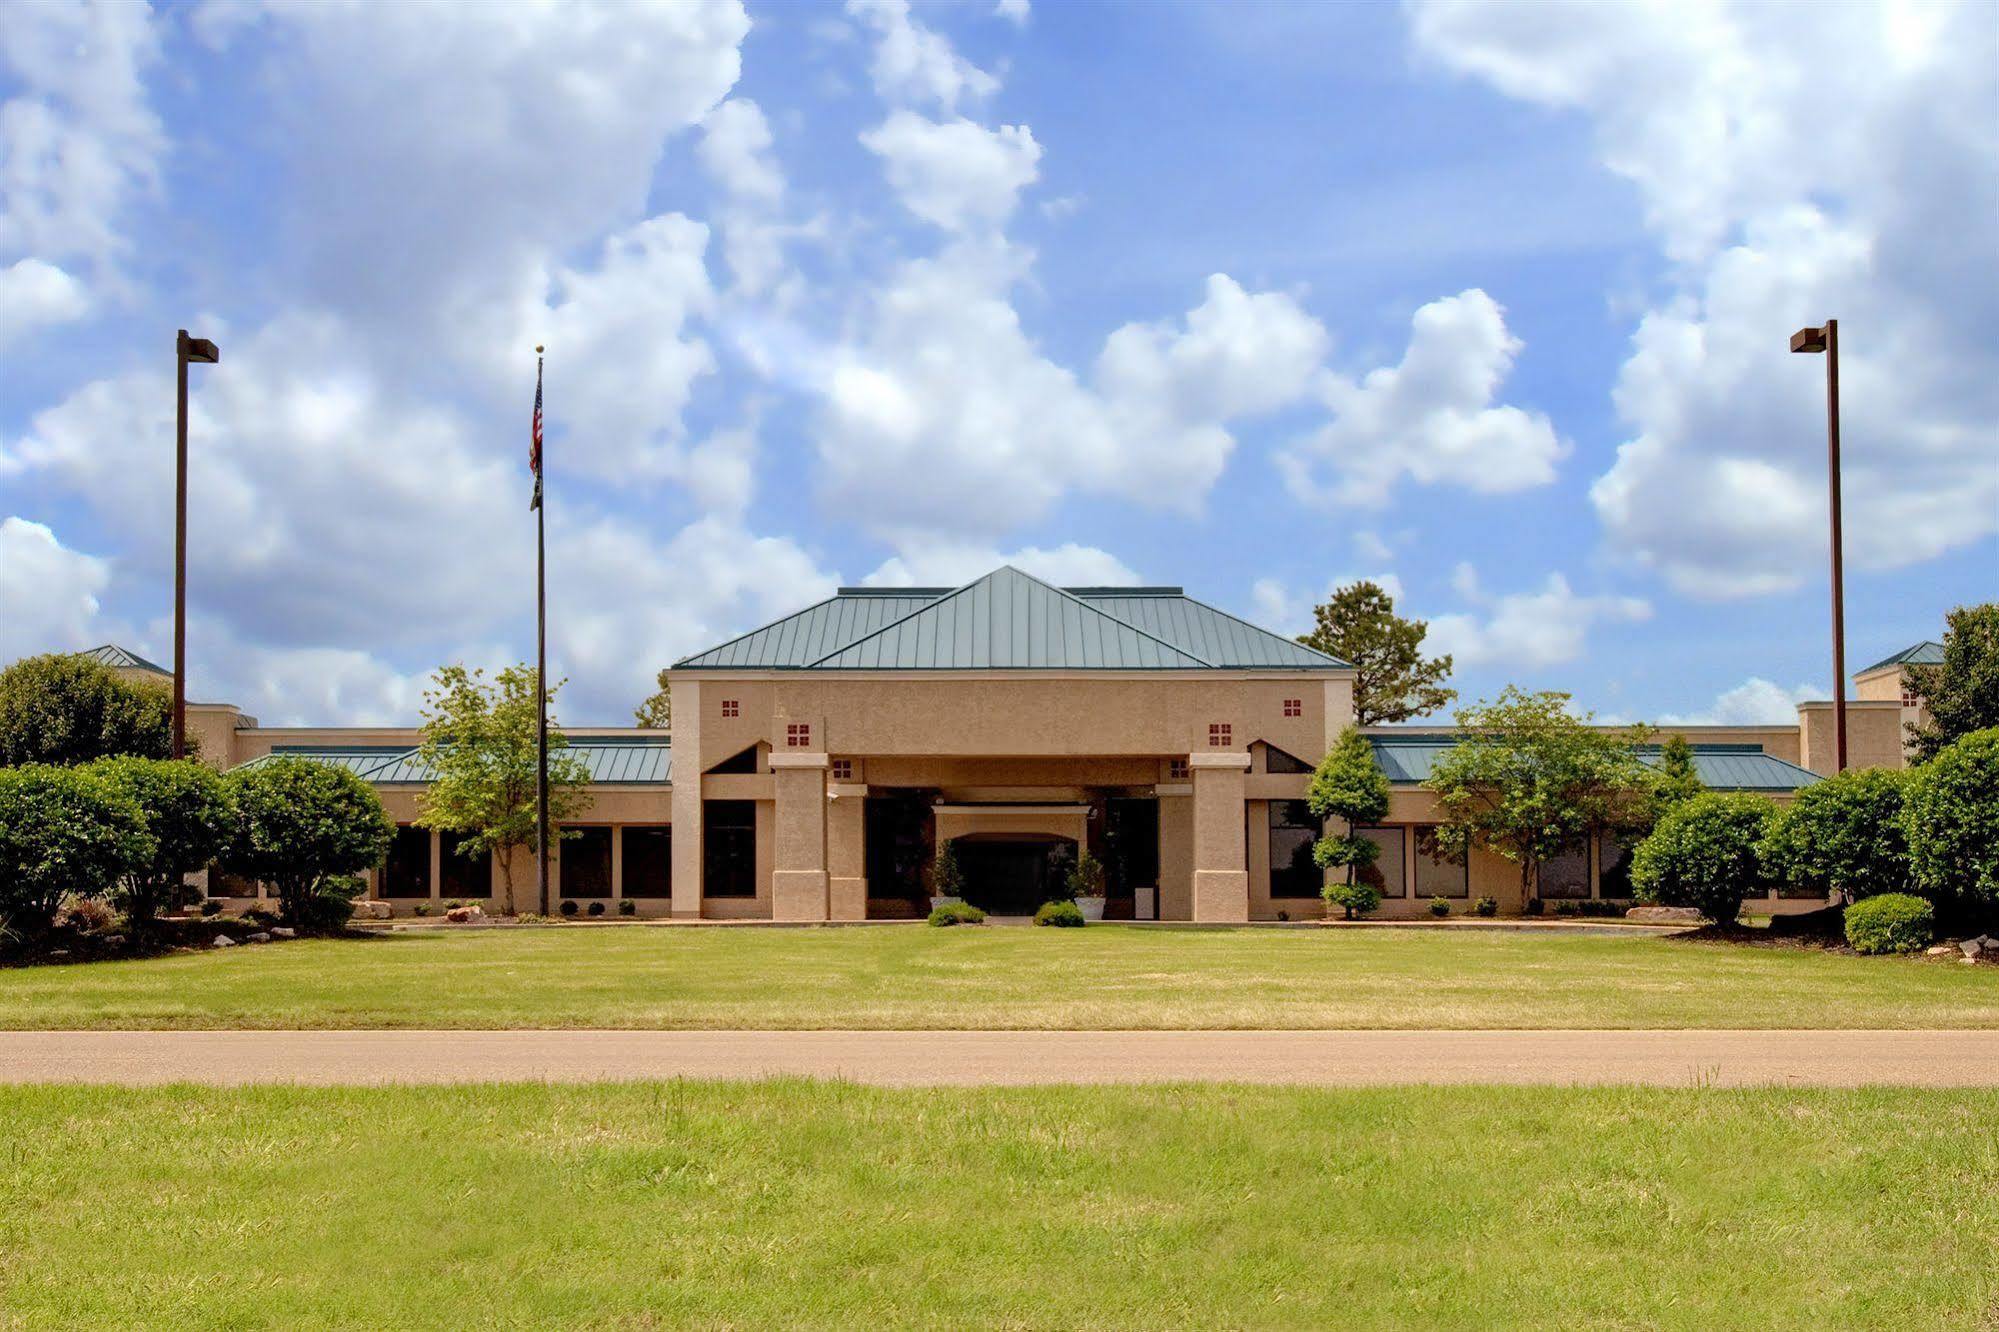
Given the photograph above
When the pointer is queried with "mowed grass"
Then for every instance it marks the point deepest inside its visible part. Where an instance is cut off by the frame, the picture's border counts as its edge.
(1104, 977)
(829, 1205)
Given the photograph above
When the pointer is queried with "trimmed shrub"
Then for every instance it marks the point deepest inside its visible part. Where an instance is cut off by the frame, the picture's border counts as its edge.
(596, 908)
(1357, 898)
(67, 710)
(1951, 818)
(1485, 906)
(188, 814)
(1439, 907)
(957, 913)
(210, 907)
(946, 879)
(1703, 855)
(1086, 877)
(62, 831)
(567, 908)
(627, 907)
(91, 915)
(299, 823)
(1062, 915)
(328, 910)
(1889, 923)
(1843, 835)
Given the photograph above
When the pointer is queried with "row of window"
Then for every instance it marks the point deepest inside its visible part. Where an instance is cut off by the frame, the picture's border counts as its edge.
(583, 864)
(1426, 870)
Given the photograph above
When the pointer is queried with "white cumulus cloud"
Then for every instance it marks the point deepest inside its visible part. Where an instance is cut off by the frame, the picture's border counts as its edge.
(1527, 630)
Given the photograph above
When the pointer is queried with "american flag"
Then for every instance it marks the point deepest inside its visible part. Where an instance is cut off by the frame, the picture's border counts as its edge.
(534, 443)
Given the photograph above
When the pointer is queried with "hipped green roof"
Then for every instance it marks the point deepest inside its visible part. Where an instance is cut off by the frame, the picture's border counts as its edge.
(612, 760)
(1925, 653)
(1009, 620)
(1408, 760)
(110, 654)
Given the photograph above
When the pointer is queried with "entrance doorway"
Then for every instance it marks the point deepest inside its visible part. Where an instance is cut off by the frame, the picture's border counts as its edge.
(1012, 874)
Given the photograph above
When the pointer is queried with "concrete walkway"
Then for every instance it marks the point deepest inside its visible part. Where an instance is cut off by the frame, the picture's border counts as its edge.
(966, 1058)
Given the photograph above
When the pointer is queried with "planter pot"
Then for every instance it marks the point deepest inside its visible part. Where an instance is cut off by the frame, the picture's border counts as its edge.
(1143, 907)
(936, 902)
(1091, 907)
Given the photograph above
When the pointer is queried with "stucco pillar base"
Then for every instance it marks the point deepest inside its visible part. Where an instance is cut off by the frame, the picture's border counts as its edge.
(798, 895)
(1221, 896)
(849, 899)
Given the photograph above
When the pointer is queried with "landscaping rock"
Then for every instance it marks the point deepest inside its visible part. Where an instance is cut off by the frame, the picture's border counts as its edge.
(1939, 950)
(1970, 948)
(283, 932)
(261, 936)
(460, 915)
(373, 911)
(1663, 915)
(222, 941)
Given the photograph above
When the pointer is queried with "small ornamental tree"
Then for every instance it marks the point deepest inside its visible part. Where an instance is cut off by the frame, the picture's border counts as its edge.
(1529, 780)
(1962, 694)
(301, 825)
(67, 710)
(188, 814)
(1348, 785)
(62, 831)
(946, 879)
(479, 748)
(1704, 854)
(1951, 818)
(1086, 877)
(657, 710)
(1393, 680)
(1674, 780)
(1843, 835)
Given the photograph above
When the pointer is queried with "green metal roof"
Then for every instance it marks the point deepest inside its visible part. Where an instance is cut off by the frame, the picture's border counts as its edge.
(110, 654)
(1009, 620)
(1407, 760)
(1925, 653)
(619, 760)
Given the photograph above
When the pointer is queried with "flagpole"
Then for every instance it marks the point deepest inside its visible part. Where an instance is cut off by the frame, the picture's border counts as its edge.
(540, 669)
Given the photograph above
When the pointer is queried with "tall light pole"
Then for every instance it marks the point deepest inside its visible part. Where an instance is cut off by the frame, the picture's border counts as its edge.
(185, 349)
(1826, 340)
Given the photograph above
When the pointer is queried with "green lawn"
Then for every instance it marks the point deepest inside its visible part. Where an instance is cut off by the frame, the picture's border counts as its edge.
(825, 1204)
(1102, 977)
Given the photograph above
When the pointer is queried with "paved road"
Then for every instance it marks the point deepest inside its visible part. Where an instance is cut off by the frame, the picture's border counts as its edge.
(920, 1058)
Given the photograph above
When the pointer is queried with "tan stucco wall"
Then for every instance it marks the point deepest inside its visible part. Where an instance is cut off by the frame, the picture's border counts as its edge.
(1874, 737)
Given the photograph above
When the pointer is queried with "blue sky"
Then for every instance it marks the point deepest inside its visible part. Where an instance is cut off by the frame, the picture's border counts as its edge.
(1490, 302)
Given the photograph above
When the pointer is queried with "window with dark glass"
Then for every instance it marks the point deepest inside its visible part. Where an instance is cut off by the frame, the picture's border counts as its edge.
(1386, 873)
(1178, 770)
(648, 864)
(743, 760)
(1221, 734)
(731, 707)
(406, 873)
(798, 735)
(1437, 874)
(1276, 760)
(464, 875)
(843, 770)
(1294, 707)
(1613, 866)
(586, 862)
(729, 848)
(1565, 875)
(1131, 844)
(1293, 872)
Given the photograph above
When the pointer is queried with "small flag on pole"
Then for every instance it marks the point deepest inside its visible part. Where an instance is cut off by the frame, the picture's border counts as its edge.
(534, 444)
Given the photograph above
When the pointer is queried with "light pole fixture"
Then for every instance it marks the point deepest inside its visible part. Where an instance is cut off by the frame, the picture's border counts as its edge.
(1826, 340)
(186, 349)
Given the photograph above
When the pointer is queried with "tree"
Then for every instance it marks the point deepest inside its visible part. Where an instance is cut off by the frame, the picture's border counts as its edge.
(1705, 855)
(657, 710)
(62, 831)
(302, 825)
(1393, 681)
(1950, 814)
(1348, 785)
(1963, 693)
(1529, 780)
(1675, 780)
(67, 710)
(1843, 835)
(479, 749)
(189, 816)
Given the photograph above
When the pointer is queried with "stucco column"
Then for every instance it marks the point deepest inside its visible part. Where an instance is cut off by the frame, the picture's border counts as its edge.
(847, 851)
(686, 799)
(1221, 870)
(798, 881)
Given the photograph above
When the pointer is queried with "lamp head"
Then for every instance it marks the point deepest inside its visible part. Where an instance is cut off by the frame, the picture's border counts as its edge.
(1808, 340)
(198, 349)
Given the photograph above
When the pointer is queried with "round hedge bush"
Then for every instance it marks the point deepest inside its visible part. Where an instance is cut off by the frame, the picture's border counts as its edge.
(1358, 897)
(1062, 915)
(957, 913)
(1704, 854)
(1843, 835)
(63, 831)
(1889, 923)
(1951, 816)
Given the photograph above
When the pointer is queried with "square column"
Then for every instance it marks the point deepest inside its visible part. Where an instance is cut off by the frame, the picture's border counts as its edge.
(847, 850)
(688, 858)
(1221, 868)
(798, 882)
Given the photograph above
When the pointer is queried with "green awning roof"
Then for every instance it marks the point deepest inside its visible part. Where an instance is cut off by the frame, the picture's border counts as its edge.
(1407, 760)
(612, 760)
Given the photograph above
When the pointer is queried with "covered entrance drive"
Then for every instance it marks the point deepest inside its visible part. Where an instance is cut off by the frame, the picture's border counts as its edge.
(1012, 874)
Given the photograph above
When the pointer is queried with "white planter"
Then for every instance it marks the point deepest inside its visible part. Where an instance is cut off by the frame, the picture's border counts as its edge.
(1091, 907)
(1142, 904)
(936, 902)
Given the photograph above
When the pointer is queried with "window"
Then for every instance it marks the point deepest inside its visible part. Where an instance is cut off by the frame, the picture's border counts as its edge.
(1220, 735)
(464, 875)
(586, 862)
(1565, 875)
(798, 735)
(1177, 770)
(1386, 873)
(1131, 843)
(843, 770)
(1276, 760)
(729, 848)
(1294, 707)
(1910, 698)
(406, 873)
(648, 861)
(744, 760)
(1613, 866)
(1437, 875)
(1293, 872)
(732, 707)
